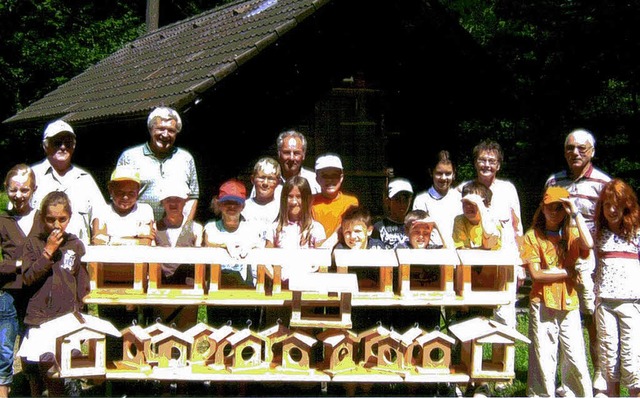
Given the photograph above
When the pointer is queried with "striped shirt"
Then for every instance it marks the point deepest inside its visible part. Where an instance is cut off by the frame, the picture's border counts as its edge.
(584, 191)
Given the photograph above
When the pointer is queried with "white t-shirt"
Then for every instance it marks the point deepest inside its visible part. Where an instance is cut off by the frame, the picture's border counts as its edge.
(125, 226)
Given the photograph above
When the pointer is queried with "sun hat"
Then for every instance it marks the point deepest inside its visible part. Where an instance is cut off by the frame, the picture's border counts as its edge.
(125, 173)
(327, 161)
(555, 194)
(399, 185)
(232, 190)
(171, 188)
(57, 127)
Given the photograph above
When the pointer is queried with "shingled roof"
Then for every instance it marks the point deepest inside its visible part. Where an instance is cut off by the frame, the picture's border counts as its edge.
(171, 65)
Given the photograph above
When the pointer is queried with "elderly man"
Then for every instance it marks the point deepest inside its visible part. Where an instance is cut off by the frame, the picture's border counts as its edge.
(57, 173)
(292, 150)
(159, 159)
(584, 183)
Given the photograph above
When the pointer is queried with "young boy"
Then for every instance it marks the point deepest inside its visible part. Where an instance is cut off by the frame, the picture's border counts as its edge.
(391, 230)
(328, 206)
(238, 237)
(263, 207)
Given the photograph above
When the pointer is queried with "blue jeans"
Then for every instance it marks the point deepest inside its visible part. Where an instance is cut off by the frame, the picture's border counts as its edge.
(8, 334)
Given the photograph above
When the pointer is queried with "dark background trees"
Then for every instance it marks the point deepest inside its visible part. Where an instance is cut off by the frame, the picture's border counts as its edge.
(568, 64)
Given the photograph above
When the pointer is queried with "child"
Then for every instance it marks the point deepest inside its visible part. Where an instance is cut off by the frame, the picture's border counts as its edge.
(295, 226)
(125, 221)
(15, 225)
(176, 230)
(58, 281)
(238, 237)
(329, 205)
(617, 314)
(390, 230)
(354, 234)
(263, 207)
(551, 248)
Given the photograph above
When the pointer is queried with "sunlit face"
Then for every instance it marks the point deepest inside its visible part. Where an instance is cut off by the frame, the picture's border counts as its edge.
(291, 155)
(173, 205)
(399, 205)
(56, 217)
(612, 213)
(487, 164)
(294, 204)
(578, 152)
(420, 234)
(124, 195)
(163, 136)
(60, 149)
(330, 180)
(20, 189)
(471, 211)
(355, 234)
(554, 214)
(230, 210)
(443, 178)
(265, 184)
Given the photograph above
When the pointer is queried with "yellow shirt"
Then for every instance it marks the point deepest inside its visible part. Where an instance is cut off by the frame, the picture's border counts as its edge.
(470, 236)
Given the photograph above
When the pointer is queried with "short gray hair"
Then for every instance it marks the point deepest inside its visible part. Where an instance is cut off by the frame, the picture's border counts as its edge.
(582, 134)
(291, 133)
(164, 113)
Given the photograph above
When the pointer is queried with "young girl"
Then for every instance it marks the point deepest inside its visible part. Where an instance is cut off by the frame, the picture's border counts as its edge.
(617, 290)
(57, 280)
(15, 225)
(295, 226)
(551, 248)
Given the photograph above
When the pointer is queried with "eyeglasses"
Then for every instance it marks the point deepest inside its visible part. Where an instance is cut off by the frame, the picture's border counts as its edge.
(489, 161)
(582, 149)
(68, 142)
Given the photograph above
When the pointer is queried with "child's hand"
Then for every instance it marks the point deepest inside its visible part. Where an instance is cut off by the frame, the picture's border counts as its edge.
(476, 200)
(54, 240)
(569, 206)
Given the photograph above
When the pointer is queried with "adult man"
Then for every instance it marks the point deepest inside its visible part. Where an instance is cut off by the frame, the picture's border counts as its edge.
(292, 150)
(57, 173)
(159, 159)
(584, 183)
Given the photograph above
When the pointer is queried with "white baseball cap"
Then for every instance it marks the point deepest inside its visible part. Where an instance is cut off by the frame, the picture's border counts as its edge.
(399, 185)
(57, 127)
(327, 161)
(171, 188)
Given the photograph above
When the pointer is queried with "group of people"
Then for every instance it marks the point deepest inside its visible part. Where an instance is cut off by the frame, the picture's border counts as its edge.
(581, 250)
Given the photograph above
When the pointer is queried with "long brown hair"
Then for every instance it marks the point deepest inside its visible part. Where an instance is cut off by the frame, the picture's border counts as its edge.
(539, 225)
(623, 196)
(306, 220)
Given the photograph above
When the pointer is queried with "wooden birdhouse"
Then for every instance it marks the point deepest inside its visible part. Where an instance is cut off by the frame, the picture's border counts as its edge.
(194, 284)
(204, 347)
(374, 270)
(136, 345)
(116, 270)
(435, 355)
(478, 335)
(80, 343)
(246, 350)
(486, 276)
(314, 293)
(169, 347)
(339, 350)
(395, 351)
(222, 355)
(427, 273)
(297, 352)
(369, 340)
(274, 336)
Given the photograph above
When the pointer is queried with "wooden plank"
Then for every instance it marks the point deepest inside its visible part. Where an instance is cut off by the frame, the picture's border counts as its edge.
(428, 256)
(365, 258)
(488, 257)
(324, 283)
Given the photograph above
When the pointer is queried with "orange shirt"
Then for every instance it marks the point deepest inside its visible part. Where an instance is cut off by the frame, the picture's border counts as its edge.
(328, 212)
(542, 249)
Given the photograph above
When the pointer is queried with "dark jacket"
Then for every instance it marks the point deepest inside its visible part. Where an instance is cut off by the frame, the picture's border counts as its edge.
(12, 241)
(57, 285)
